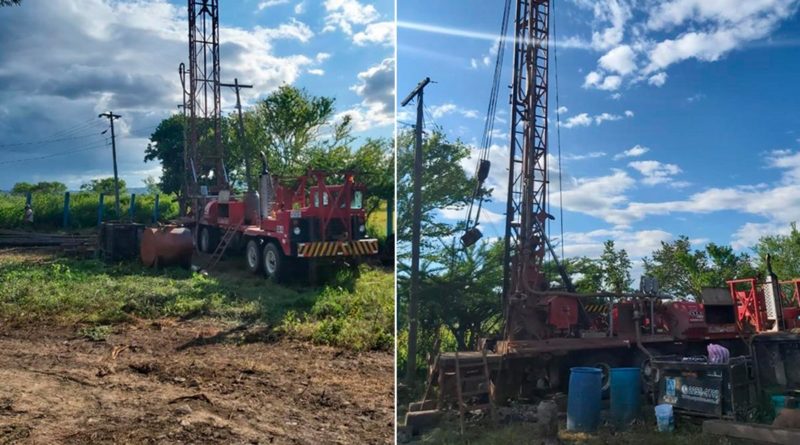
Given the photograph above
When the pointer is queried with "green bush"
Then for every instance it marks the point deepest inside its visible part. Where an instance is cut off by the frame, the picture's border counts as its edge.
(48, 209)
(360, 319)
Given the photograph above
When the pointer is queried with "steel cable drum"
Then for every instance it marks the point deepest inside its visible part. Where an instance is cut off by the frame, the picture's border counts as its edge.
(583, 399)
(167, 246)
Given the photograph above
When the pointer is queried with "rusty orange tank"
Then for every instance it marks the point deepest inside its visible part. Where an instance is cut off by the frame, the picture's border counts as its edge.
(167, 246)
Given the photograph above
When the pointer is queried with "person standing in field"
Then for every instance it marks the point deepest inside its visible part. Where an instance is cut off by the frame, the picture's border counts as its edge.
(28, 215)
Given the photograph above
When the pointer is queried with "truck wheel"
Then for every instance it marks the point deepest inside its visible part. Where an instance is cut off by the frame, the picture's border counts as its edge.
(274, 263)
(208, 241)
(253, 256)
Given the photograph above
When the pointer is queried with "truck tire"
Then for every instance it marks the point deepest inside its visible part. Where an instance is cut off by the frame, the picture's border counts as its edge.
(253, 256)
(274, 263)
(207, 240)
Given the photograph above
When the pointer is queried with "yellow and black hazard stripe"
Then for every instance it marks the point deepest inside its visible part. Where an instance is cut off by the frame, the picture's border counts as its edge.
(337, 248)
(596, 308)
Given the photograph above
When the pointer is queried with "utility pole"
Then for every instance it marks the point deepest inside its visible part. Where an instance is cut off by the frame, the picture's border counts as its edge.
(416, 217)
(235, 85)
(111, 116)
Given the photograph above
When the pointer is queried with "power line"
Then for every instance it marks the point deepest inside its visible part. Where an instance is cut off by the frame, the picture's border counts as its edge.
(52, 155)
(49, 141)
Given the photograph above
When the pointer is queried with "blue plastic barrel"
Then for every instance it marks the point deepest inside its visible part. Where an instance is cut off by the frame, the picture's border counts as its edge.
(583, 399)
(626, 390)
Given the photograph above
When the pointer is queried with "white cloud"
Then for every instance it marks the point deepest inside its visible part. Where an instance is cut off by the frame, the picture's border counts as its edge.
(316, 72)
(579, 120)
(562, 109)
(655, 172)
(672, 31)
(620, 60)
(633, 152)
(590, 155)
(86, 70)
(597, 195)
(343, 14)
(585, 119)
(376, 88)
(658, 79)
(600, 118)
(300, 8)
(377, 33)
(268, 3)
(638, 244)
(439, 111)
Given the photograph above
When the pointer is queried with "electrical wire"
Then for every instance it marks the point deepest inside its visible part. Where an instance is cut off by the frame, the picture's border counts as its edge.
(49, 141)
(52, 155)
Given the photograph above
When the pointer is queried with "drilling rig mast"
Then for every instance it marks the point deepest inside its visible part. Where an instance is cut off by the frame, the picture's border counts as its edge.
(526, 206)
(203, 97)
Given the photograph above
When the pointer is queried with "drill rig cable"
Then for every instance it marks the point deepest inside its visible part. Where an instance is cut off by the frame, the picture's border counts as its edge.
(491, 112)
(558, 134)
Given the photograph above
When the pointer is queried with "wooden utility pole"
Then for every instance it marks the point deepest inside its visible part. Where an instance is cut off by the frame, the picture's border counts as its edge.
(111, 116)
(416, 217)
(247, 169)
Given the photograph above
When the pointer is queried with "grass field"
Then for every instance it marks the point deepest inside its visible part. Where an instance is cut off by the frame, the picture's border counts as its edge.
(350, 312)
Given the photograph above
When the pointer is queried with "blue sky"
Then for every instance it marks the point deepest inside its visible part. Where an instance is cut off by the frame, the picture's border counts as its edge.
(63, 62)
(679, 116)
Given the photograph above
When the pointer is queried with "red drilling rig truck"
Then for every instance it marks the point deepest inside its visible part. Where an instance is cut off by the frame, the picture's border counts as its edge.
(545, 330)
(287, 224)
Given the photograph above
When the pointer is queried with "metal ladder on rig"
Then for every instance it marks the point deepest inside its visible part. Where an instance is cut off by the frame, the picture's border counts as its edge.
(477, 376)
(222, 246)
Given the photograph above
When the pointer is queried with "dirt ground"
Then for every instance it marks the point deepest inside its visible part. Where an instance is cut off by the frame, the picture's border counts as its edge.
(170, 381)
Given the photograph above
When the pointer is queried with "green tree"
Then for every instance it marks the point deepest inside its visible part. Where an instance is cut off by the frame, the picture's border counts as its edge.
(784, 251)
(445, 184)
(104, 185)
(42, 187)
(683, 272)
(459, 290)
(288, 125)
(616, 266)
(166, 147)
(151, 185)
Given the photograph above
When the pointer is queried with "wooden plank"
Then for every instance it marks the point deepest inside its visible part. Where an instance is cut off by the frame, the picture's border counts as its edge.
(751, 431)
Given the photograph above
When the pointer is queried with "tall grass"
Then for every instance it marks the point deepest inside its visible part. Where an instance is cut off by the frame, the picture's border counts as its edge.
(48, 209)
(354, 312)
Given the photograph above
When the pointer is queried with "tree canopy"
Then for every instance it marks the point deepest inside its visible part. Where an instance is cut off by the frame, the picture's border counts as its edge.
(42, 187)
(104, 185)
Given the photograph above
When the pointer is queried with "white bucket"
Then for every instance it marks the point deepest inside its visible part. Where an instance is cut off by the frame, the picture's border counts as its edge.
(664, 418)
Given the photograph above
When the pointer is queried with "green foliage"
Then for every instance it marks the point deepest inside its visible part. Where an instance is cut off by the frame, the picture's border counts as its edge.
(616, 267)
(785, 253)
(22, 188)
(166, 147)
(152, 187)
(446, 185)
(361, 319)
(683, 272)
(104, 185)
(48, 210)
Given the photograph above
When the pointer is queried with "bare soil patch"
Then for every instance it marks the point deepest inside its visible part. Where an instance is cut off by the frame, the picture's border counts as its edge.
(201, 381)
